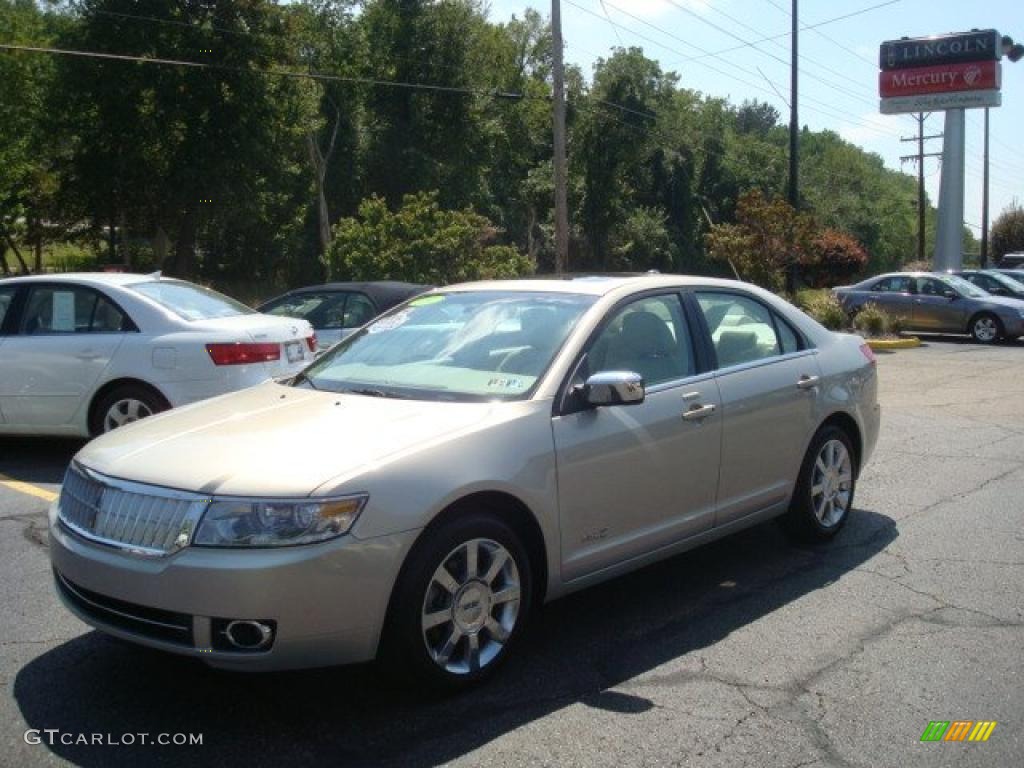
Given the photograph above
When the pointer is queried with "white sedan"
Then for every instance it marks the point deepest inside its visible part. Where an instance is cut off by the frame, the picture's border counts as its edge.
(81, 354)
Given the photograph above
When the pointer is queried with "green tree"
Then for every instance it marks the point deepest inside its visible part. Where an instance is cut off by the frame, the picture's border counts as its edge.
(421, 242)
(1008, 231)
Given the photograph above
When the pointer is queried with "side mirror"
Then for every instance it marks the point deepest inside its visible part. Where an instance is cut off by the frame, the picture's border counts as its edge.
(950, 294)
(614, 388)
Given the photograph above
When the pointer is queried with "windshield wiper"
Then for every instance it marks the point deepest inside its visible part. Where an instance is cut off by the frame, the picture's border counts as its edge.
(370, 392)
(302, 377)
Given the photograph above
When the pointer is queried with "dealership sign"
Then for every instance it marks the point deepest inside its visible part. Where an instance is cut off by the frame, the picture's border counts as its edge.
(983, 45)
(943, 78)
(959, 71)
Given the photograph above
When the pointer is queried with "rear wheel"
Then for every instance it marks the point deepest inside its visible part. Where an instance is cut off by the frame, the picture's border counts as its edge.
(123, 405)
(460, 603)
(986, 328)
(823, 496)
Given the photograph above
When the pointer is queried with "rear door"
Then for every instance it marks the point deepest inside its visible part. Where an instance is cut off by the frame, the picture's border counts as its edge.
(7, 321)
(65, 339)
(893, 294)
(768, 379)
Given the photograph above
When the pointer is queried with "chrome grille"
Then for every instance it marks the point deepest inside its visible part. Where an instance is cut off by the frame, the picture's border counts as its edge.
(142, 519)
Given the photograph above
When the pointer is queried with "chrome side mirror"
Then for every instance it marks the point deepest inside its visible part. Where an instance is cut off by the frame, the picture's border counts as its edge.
(614, 388)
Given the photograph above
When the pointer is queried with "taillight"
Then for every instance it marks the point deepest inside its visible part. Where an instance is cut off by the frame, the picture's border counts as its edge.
(869, 353)
(311, 341)
(243, 353)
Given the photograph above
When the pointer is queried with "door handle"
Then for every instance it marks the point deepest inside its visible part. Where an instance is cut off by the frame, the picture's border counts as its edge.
(88, 355)
(808, 382)
(698, 412)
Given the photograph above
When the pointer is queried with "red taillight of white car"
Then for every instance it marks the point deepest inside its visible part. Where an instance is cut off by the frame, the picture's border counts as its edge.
(311, 342)
(243, 353)
(869, 353)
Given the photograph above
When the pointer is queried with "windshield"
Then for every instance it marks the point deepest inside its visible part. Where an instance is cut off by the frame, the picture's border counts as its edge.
(1007, 282)
(481, 345)
(189, 301)
(963, 287)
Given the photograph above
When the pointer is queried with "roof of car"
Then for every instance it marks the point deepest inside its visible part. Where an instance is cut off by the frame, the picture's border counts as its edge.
(378, 290)
(595, 285)
(94, 278)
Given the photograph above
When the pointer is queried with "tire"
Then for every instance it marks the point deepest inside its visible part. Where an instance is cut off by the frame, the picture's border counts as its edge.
(985, 328)
(823, 496)
(124, 404)
(453, 632)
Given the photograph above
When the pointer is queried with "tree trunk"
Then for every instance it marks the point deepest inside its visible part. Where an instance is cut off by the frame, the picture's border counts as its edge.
(319, 160)
(17, 253)
(37, 227)
(182, 263)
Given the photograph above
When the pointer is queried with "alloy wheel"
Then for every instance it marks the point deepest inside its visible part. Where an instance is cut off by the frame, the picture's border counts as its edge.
(471, 606)
(831, 483)
(985, 329)
(125, 412)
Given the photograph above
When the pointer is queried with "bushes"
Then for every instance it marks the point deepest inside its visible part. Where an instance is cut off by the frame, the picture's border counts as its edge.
(826, 309)
(871, 321)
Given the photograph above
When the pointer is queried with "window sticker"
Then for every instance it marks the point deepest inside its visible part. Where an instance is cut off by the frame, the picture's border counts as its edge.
(63, 318)
(390, 323)
(505, 383)
(426, 301)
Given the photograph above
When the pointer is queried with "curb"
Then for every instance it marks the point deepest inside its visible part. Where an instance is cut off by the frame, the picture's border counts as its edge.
(883, 344)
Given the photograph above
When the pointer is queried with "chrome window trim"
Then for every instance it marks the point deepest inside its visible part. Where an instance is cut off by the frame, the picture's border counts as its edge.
(766, 361)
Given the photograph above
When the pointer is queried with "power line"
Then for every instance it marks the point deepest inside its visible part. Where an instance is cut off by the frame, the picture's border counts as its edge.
(824, 108)
(270, 72)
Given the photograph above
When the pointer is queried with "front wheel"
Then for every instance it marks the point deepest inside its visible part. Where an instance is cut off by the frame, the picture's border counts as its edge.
(986, 329)
(824, 489)
(460, 603)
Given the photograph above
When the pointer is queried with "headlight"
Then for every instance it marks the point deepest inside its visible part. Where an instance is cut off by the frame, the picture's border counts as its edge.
(276, 522)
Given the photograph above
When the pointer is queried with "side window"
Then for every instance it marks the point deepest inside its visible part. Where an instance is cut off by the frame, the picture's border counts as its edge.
(787, 337)
(648, 336)
(894, 284)
(70, 309)
(6, 299)
(741, 328)
(927, 286)
(359, 310)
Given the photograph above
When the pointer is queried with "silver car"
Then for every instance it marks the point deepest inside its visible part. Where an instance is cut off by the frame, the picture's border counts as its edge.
(470, 454)
(938, 303)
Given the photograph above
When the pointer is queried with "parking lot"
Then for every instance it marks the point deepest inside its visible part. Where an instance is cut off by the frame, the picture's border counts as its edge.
(752, 651)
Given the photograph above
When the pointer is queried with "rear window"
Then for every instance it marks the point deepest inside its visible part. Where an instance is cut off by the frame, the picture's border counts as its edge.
(189, 301)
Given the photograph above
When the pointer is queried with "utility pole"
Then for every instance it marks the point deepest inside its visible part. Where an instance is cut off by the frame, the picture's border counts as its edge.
(794, 141)
(919, 159)
(984, 202)
(560, 161)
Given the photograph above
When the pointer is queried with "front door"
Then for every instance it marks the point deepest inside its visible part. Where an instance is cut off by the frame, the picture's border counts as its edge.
(634, 478)
(934, 311)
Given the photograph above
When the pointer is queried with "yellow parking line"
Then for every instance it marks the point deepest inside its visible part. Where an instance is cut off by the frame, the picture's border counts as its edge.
(27, 488)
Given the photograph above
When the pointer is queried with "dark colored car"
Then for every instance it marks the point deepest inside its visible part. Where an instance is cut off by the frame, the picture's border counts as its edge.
(337, 309)
(938, 303)
(993, 281)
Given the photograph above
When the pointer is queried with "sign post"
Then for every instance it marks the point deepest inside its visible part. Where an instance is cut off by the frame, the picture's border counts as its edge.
(952, 73)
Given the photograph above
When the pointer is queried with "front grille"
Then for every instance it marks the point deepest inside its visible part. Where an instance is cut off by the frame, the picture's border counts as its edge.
(143, 519)
(155, 623)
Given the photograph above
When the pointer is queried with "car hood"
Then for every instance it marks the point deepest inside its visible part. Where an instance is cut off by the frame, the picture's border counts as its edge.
(274, 440)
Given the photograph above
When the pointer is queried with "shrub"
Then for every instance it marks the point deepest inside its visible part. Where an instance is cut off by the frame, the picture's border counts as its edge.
(826, 309)
(872, 321)
(832, 258)
(896, 325)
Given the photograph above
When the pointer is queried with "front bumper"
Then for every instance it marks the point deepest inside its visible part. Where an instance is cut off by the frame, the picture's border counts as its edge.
(328, 600)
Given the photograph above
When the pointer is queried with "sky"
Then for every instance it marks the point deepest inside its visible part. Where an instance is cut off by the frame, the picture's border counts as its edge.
(838, 68)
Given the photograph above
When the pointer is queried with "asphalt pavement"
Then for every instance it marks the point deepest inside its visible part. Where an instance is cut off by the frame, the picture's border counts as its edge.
(751, 651)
